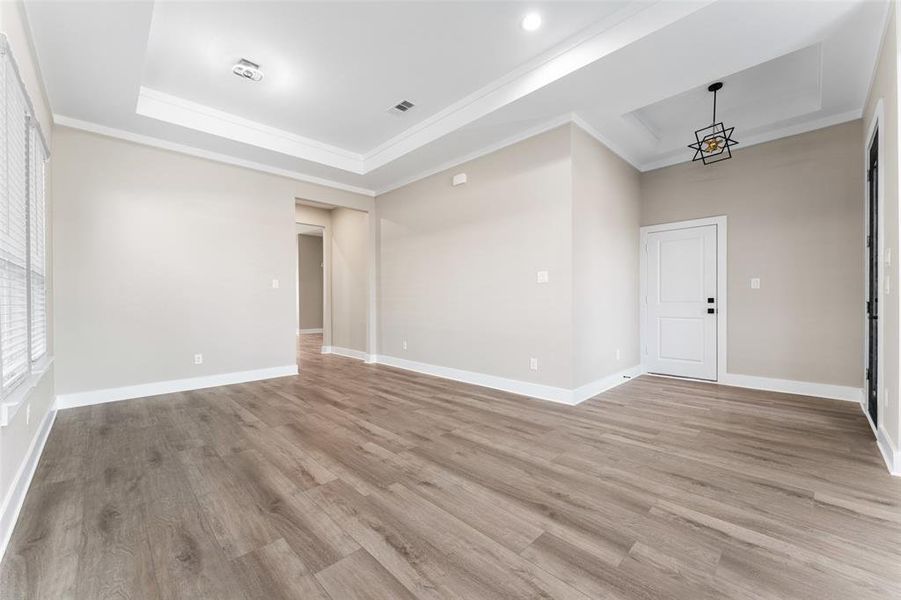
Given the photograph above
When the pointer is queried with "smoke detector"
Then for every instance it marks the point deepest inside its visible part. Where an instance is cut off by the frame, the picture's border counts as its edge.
(247, 70)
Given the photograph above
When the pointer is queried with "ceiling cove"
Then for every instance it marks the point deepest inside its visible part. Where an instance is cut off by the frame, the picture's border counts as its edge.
(630, 73)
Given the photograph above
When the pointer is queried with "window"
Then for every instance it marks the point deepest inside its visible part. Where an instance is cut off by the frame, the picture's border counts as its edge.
(23, 302)
(37, 261)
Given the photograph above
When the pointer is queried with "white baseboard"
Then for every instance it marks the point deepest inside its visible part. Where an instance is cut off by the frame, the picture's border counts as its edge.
(347, 352)
(890, 454)
(12, 504)
(788, 386)
(514, 386)
(64, 401)
(309, 331)
(590, 390)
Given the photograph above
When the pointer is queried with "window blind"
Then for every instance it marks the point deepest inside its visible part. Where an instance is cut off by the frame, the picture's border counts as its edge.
(23, 260)
(14, 339)
(37, 261)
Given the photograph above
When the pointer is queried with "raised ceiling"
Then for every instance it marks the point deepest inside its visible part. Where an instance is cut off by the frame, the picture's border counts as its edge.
(632, 73)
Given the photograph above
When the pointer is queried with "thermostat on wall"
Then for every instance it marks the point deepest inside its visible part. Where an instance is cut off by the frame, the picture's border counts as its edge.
(459, 179)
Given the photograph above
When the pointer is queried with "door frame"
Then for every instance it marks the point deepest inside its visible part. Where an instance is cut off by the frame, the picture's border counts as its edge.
(721, 299)
(876, 124)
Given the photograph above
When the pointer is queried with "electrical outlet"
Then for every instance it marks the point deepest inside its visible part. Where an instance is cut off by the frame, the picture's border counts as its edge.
(533, 363)
(275, 284)
(198, 359)
(405, 344)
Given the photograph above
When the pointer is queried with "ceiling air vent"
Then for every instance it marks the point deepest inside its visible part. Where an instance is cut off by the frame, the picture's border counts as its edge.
(401, 107)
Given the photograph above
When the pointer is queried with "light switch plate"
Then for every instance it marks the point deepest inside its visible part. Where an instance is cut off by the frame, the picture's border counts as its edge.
(275, 284)
(533, 364)
(459, 179)
(542, 277)
(755, 283)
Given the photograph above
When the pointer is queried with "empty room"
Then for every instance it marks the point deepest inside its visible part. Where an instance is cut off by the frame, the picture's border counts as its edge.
(428, 300)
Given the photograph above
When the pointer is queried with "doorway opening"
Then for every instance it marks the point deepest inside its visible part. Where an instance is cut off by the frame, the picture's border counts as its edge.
(311, 298)
(873, 281)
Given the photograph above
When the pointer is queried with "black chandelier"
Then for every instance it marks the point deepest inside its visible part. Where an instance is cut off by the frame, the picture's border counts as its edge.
(713, 143)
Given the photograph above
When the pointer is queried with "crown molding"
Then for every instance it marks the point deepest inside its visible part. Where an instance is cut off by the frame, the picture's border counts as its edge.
(172, 109)
(767, 136)
(199, 153)
(625, 26)
(610, 34)
(605, 141)
(485, 150)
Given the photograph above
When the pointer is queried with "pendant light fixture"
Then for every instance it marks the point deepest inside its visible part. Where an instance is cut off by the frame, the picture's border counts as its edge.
(713, 143)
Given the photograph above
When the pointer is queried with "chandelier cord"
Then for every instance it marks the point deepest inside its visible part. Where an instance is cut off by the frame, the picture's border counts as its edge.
(714, 107)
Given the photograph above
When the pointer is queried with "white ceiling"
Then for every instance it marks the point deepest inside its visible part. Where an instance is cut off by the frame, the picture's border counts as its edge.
(632, 73)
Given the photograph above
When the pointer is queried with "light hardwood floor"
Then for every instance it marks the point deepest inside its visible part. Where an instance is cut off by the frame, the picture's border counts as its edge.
(360, 481)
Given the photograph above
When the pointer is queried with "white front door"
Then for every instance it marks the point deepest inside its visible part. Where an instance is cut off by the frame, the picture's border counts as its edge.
(681, 319)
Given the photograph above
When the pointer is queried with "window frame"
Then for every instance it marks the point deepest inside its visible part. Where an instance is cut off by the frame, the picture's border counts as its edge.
(36, 159)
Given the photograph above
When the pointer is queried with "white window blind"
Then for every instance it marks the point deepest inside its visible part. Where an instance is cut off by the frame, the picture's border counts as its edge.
(14, 237)
(23, 269)
(37, 261)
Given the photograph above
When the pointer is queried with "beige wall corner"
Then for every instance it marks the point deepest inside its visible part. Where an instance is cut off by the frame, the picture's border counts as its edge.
(606, 210)
(884, 93)
(350, 278)
(458, 265)
(795, 215)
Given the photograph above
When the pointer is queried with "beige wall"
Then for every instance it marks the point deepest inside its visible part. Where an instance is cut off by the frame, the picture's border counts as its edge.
(605, 226)
(350, 278)
(885, 88)
(458, 265)
(310, 280)
(152, 269)
(795, 220)
(17, 437)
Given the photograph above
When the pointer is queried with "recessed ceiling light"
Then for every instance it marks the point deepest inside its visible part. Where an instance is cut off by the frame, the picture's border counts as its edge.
(247, 70)
(531, 21)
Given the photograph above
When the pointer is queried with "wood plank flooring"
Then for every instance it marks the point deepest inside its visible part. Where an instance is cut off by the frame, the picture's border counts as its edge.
(361, 481)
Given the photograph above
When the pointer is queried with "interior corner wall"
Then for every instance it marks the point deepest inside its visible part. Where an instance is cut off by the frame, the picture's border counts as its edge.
(457, 265)
(162, 255)
(795, 220)
(21, 434)
(310, 277)
(350, 278)
(605, 230)
(885, 88)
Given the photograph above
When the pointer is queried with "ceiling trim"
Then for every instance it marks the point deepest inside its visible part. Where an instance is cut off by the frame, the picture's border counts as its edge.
(199, 153)
(593, 132)
(625, 26)
(572, 118)
(172, 109)
(484, 151)
(607, 36)
(767, 136)
(885, 24)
